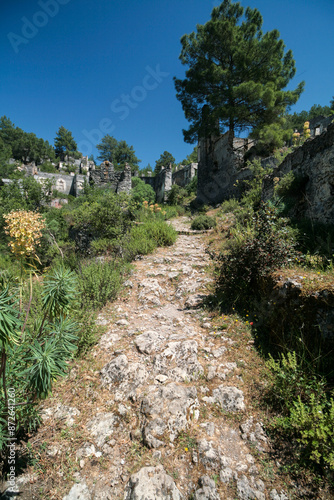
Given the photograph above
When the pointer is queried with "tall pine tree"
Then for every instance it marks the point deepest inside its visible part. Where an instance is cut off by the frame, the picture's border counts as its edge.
(236, 74)
(65, 144)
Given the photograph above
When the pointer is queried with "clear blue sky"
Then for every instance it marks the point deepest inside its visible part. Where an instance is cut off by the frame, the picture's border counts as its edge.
(73, 62)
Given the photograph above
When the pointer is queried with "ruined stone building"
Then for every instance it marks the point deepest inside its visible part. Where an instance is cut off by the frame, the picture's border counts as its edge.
(313, 165)
(222, 169)
(221, 164)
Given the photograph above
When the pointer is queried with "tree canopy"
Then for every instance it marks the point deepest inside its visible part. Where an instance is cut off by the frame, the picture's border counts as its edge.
(65, 144)
(297, 120)
(236, 74)
(165, 160)
(191, 158)
(148, 170)
(118, 153)
(22, 146)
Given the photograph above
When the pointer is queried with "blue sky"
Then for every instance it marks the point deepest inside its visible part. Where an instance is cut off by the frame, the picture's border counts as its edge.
(107, 66)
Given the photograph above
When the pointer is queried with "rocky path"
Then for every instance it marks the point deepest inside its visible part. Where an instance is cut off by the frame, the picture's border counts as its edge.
(167, 413)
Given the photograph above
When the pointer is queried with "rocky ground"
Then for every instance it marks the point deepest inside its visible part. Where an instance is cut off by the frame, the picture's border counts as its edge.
(165, 406)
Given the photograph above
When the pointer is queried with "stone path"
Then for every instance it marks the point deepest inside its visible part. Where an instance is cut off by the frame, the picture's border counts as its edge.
(169, 418)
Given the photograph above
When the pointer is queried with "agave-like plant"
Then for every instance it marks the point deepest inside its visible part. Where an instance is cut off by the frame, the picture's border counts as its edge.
(59, 291)
(47, 362)
(9, 317)
(9, 325)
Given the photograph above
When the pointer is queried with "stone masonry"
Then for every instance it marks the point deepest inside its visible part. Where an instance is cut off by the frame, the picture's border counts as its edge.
(313, 163)
(221, 163)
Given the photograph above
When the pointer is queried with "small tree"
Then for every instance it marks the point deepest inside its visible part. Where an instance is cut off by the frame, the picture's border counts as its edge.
(165, 160)
(118, 153)
(146, 171)
(65, 144)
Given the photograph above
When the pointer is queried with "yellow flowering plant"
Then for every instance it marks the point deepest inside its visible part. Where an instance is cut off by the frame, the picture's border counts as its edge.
(25, 230)
(33, 356)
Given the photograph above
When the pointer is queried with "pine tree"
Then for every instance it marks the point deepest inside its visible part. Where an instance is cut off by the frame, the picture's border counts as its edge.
(165, 160)
(236, 73)
(117, 152)
(65, 144)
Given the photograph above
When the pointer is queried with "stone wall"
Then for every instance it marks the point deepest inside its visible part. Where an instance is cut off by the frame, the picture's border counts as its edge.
(61, 182)
(106, 175)
(312, 163)
(184, 174)
(161, 183)
(221, 163)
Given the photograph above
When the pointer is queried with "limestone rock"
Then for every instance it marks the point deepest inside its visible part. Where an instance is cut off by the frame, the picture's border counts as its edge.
(194, 301)
(124, 376)
(247, 491)
(208, 455)
(179, 361)
(207, 489)
(79, 491)
(167, 408)
(61, 412)
(149, 342)
(101, 427)
(254, 432)
(274, 495)
(151, 483)
(230, 398)
(151, 291)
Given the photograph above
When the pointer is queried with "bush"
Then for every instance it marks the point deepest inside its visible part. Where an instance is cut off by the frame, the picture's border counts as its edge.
(267, 247)
(191, 188)
(87, 331)
(142, 192)
(102, 246)
(203, 222)
(307, 411)
(160, 232)
(253, 188)
(176, 195)
(99, 283)
(229, 205)
(136, 243)
(103, 213)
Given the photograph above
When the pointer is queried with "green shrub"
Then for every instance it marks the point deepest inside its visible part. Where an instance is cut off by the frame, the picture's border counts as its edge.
(253, 187)
(102, 214)
(87, 331)
(102, 246)
(313, 424)
(160, 232)
(171, 211)
(144, 238)
(136, 243)
(229, 205)
(307, 411)
(176, 195)
(191, 188)
(142, 192)
(99, 282)
(203, 222)
(267, 247)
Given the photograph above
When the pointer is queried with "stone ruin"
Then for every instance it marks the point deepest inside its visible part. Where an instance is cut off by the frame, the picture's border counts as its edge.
(222, 169)
(106, 175)
(221, 165)
(313, 164)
